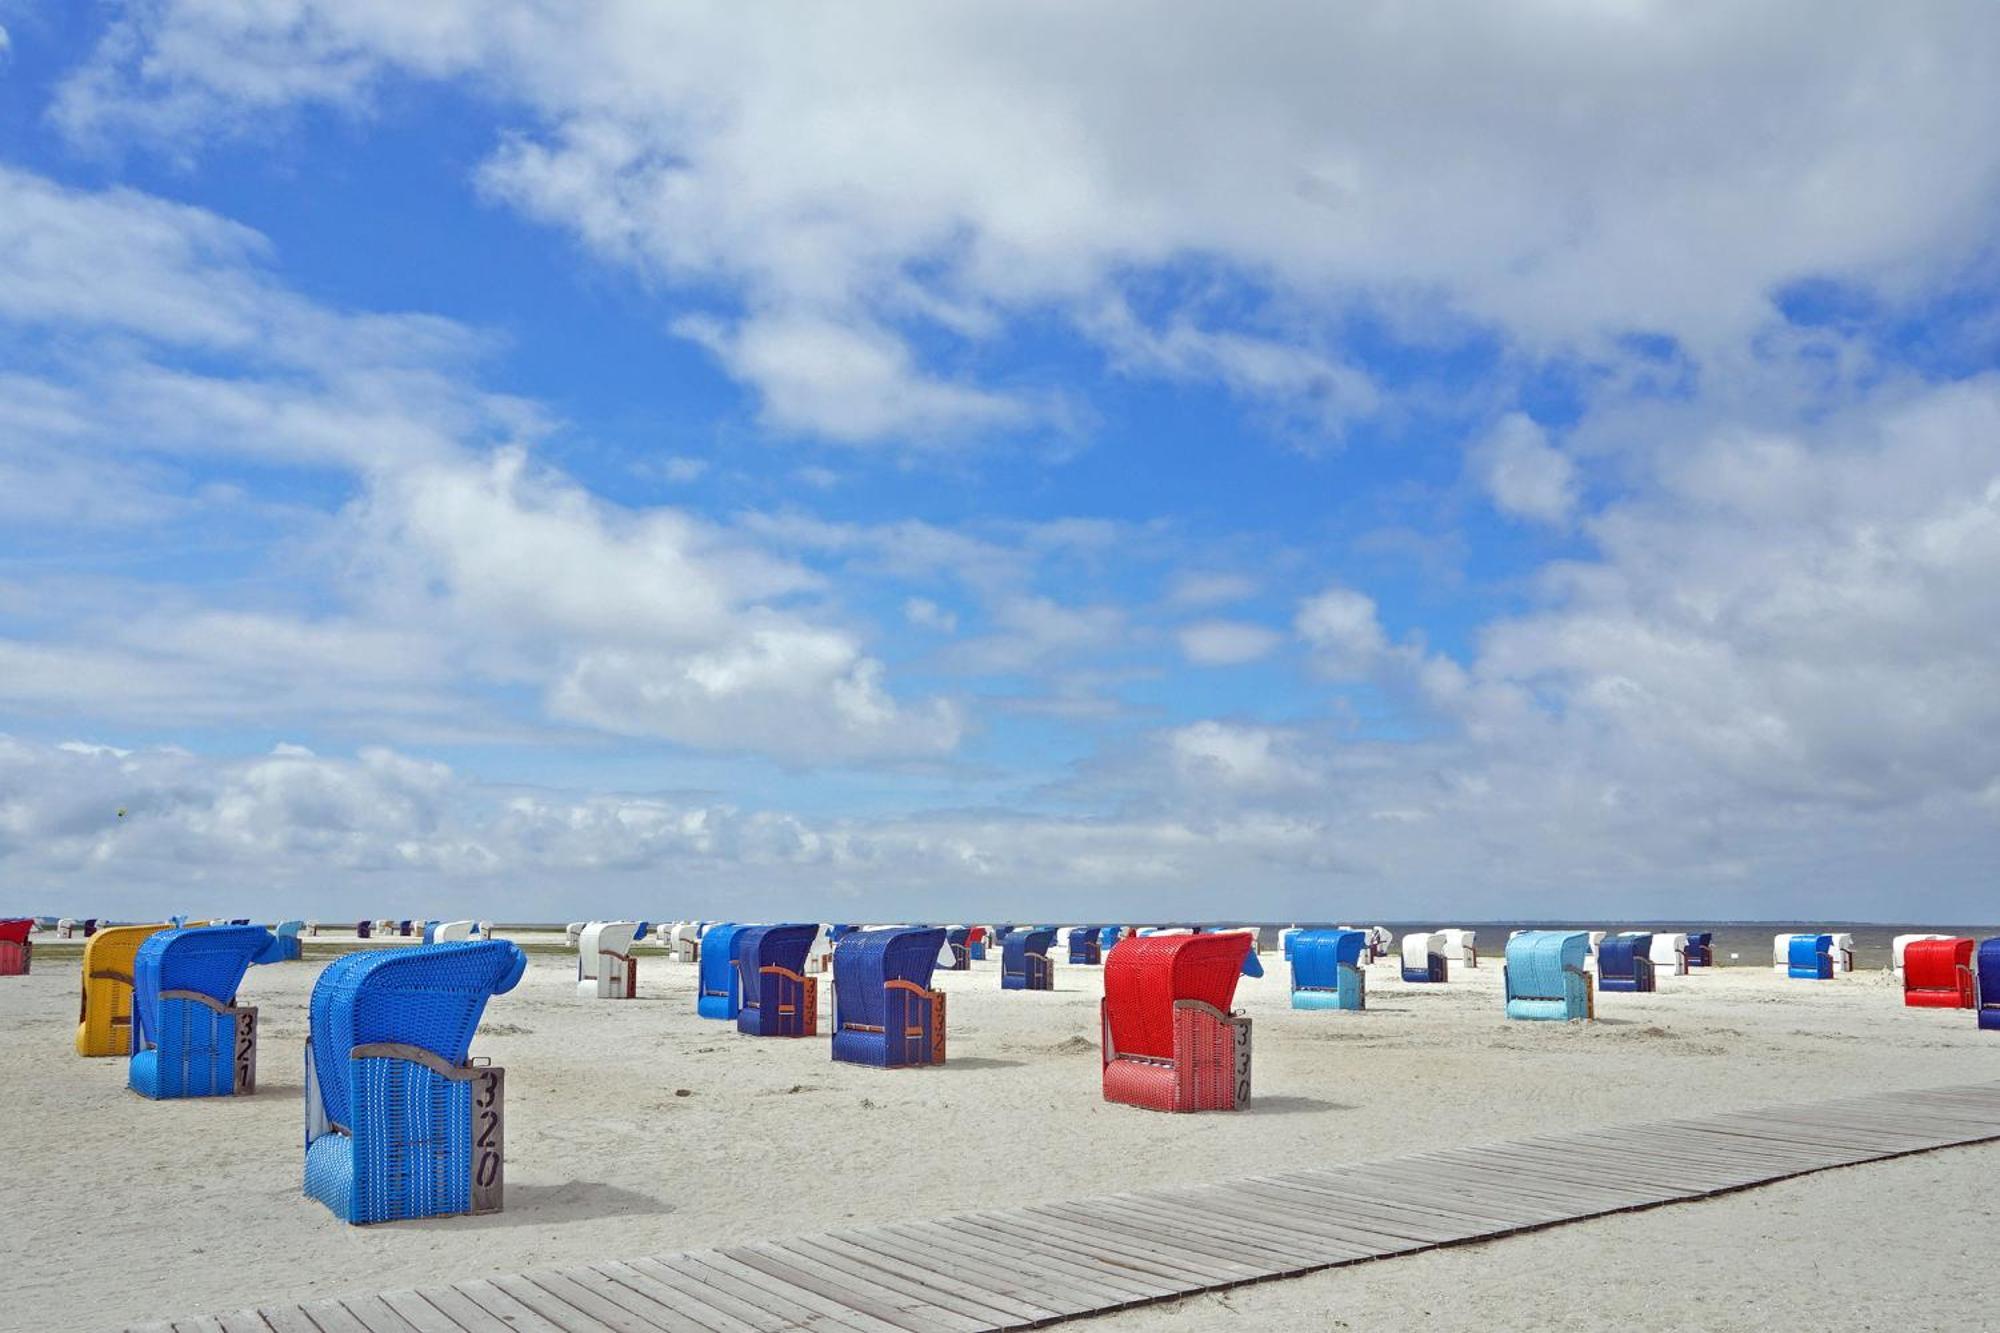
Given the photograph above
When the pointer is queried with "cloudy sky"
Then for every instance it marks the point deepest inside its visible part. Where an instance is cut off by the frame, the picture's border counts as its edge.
(1002, 459)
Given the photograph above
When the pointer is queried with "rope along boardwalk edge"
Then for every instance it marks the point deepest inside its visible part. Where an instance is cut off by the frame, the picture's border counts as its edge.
(1026, 1267)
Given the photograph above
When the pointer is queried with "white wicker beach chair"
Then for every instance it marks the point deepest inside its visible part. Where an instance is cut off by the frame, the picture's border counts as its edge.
(605, 969)
(454, 930)
(1669, 951)
(1460, 947)
(574, 930)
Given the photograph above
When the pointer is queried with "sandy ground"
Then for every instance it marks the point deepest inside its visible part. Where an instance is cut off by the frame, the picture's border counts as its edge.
(637, 1127)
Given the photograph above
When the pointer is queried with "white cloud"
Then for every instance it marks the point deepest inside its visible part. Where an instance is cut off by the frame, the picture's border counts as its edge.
(1236, 757)
(1204, 588)
(1524, 474)
(1340, 626)
(1226, 642)
(459, 564)
(879, 195)
(922, 611)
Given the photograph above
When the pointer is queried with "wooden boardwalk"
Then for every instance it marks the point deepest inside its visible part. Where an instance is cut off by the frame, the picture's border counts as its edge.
(1023, 1267)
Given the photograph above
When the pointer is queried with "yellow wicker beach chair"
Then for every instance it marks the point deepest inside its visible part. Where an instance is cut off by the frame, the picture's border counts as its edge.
(104, 1025)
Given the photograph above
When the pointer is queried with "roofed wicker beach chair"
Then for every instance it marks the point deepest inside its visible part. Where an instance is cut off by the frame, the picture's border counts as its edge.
(884, 1011)
(1625, 963)
(1669, 953)
(1937, 974)
(1842, 952)
(1810, 957)
(284, 946)
(574, 932)
(1326, 969)
(189, 1036)
(1024, 959)
(1988, 969)
(779, 999)
(1902, 942)
(448, 932)
(1701, 948)
(104, 1023)
(720, 994)
(17, 952)
(685, 941)
(976, 940)
(1107, 939)
(363, 929)
(958, 939)
(1545, 976)
(399, 1123)
(1083, 946)
(1170, 1041)
(1460, 947)
(1423, 958)
(605, 968)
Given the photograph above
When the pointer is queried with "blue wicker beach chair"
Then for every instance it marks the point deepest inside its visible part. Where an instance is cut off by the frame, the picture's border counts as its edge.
(779, 999)
(960, 940)
(1810, 958)
(721, 991)
(1024, 960)
(1988, 969)
(884, 1011)
(1624, 964)
(405, 927)
(284, 946)
(1701, 948)
(1544, 975)
(189, 1038)
(1326, 970)
(1107, 939)
(363, 929)
(1083, 946)
(399, 1123)
(1423, 957)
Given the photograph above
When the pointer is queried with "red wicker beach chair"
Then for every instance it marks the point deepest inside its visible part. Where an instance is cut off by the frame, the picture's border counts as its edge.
(1170, 1041)
(1937, 974)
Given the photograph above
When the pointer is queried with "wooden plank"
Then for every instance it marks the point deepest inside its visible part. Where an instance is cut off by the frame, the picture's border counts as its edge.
(465, 1312)
(960, 1297)
(596, 1295)
(810, 1303)
(243, 1321)
(505, 1310)
(419, 1313)
(882, 1305)
(332, 1317)
(1165, 1223)
(1078, 1279)
(1045, 1232)
(1017, 1281)
(720, 1316)
(797, 1308)
(375, 1314)
(287, 1319)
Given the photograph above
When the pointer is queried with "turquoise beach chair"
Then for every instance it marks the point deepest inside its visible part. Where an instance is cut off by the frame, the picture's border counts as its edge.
(1545, 978)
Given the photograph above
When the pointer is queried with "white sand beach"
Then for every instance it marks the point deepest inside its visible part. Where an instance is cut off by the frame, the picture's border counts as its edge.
(637, 1127)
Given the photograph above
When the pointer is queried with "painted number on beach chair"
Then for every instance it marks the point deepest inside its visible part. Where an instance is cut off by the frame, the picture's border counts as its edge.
(246, 1051)
(1243, 1063)
(489, 1138)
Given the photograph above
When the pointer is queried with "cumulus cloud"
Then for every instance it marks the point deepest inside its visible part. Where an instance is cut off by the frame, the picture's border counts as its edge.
(1524, 474)
(1341, 627)
(879, 196)
(459, 562)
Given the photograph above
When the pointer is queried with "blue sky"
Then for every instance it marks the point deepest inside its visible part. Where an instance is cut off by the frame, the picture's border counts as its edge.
(702, 461)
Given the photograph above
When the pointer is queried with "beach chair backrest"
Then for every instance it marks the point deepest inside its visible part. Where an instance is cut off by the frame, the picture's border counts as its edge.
(1014, 950)
(430, 996)
(1539, 961)
(15, 930)
(1619, 956)
(786, 946)
(1318, 955)
(867, 961)
(1145, 976)
(207, 959)
(1417, 947)
(1811, 956)
(1941, 964)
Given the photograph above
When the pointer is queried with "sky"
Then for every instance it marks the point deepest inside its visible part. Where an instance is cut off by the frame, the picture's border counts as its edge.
(1000, 460)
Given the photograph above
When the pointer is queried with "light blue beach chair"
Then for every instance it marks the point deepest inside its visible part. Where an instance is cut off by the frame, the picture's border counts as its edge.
(189, 1038)
(284, 946)
(398, 1123)
(1545, 978)
(1326, 970)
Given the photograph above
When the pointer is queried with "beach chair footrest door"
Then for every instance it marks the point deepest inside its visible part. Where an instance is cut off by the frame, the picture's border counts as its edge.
(429, 1140)
(202, 1049)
